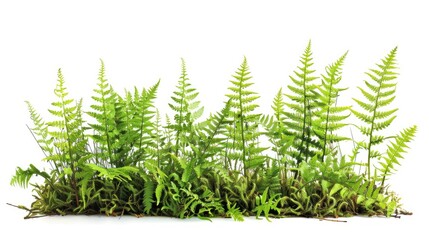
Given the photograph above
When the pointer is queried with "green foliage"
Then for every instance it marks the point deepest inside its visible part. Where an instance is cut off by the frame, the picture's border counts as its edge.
(394, 152)
(329, 116)
(23, 177)
(243, 132)
(237, 162)
(187, 111)
(265, 204)
(103, 111)
(303, 102)
(376, 113)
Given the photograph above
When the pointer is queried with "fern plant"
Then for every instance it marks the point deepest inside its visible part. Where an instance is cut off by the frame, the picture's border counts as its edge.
(243, 132)
(376, 113)
(329, 117)
(103, 111)
(304, 102)
(395, 149)
(127, 159)
(187, 110)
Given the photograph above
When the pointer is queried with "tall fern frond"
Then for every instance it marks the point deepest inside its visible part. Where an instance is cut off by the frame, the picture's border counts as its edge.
(103, 111)
(124, 135)
(67, 132)
(300, 116)
(329, 116)
(395, 150)
(244, 130)
(375, 114)
(143, 120)
(186, 106)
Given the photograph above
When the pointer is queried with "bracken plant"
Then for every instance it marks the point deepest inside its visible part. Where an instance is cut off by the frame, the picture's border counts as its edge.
(120, 157)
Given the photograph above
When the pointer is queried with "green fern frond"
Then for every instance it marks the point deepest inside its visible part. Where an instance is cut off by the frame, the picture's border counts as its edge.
(278, 106)
(143, 119)
(103, 111)
(67, 132)
(244, 130)
(121, 174)
(379, 93)
(234, 212)
(330, 116)
(214, 131)
(40, 131)
(300, 117)
(187, 108)
(84, 177)
(395, 151)
(149, 191)
(22, 177)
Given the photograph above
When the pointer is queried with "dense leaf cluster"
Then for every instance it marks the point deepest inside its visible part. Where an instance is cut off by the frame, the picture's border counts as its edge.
(120, 157)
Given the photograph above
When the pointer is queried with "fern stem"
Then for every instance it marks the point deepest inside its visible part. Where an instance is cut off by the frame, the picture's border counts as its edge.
(371, 133)
(374, 114)
(69, 143)
(181, 108)
(243, 140)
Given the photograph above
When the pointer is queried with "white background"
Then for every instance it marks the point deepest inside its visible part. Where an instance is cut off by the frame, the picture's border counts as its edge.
(142, 41)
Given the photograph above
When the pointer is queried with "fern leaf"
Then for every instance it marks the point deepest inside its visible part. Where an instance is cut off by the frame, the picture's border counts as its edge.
(186, 107)
(121, 174)
(104, 113)
(244, 120)
(143, 120)
(395, 151)
(379, 93)
(149, 190)
(301, 109)
(329, 118)
(23, 177)
(40, 131)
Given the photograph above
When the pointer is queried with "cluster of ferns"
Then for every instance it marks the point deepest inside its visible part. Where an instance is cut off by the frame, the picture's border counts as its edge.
(120, 157)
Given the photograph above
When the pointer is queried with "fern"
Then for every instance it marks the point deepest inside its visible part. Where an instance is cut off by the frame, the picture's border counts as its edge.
(303, 104)
(155, 148)
(40, 131)
(265, 204)
(124, 136)
(276, 171)
(149, 190)
(145, 113)
(378, 95)
(213, 132)
(22, 177)
(276, 129)
(274, 124)
(121, 174)
(138, 164)
(103, 111)
(187, 109)
(330, 116)
(234, 212)
(394, 152)
(68, 133)
(244, 132)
